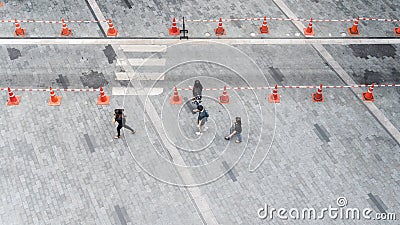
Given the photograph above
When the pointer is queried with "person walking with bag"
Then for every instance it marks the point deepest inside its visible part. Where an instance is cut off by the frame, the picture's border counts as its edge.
(197, 93)
(201, 119)
(120, 118)
(236, 129)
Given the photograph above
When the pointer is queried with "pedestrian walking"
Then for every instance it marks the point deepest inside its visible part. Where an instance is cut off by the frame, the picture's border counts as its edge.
(120, 118)
(201, 119)
(197, 93)
(236, 129)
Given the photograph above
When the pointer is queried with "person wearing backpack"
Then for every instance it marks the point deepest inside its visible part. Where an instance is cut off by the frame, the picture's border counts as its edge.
(236, 129)
(201, 119)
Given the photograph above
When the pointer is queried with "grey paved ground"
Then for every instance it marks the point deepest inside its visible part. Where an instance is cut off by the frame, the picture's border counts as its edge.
(61, 165)
(153, 18)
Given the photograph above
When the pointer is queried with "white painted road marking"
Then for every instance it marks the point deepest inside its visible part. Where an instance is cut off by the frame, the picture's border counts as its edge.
(139, 76)
(144, 48)
(136, 91)
(392, 130)
(277, 41)
(141, 62)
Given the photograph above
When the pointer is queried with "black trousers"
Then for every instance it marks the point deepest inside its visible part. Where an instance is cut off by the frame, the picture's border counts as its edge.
(119, 127)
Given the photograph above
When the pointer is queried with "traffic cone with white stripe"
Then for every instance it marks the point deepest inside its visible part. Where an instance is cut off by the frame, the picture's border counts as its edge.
(309, 31)
(174, 31)
(19, 32)
(224, 98)
(318, 97)
(369, 95)
(264, 29)
(12, 99)
(111, 32)
(176, 99)
(54, 100)
(274, 97)
(353, 31)
(220, 30)
(397, 31)
(65, 32)
(103, 99)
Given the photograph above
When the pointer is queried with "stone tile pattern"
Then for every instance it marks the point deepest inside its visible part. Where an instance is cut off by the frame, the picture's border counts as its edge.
(51, 176)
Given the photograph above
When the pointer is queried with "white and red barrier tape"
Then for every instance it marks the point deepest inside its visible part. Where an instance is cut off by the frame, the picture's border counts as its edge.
(293, 19)
(54, 89)
(291, 86)
(54, 21)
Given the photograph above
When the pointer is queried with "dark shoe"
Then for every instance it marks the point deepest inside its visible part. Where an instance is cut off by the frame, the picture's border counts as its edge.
(227, 138)
(133, 132)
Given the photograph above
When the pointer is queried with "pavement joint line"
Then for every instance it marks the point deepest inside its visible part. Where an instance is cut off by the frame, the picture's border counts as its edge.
(344, 76)
(200, 203)
(208, 41)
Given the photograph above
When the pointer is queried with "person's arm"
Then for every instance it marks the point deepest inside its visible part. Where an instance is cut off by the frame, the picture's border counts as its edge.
(233, 133)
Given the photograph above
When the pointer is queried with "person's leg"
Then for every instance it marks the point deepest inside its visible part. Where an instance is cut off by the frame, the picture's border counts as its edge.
(200, 127)
(230, 134)
(119, 131)
(239, 137)
(129, 128)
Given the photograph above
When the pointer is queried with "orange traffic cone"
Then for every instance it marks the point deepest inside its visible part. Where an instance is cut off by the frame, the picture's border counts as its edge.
(353, 31)
(318, 97)
(1, 4)
(274, 97)
(176, 99)
(103, 99)
(369, 96)
(224, 98)
(309, 31)
(19, 32)
(220, 30)
(65, 32)
(397, 31)
(54, 100)
(12, 100)
(111, 32)
(174, 31)
(264, 29)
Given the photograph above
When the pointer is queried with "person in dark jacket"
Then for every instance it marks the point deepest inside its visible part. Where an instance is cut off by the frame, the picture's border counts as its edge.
(236, 129)
(197, 93)
(120, 118)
